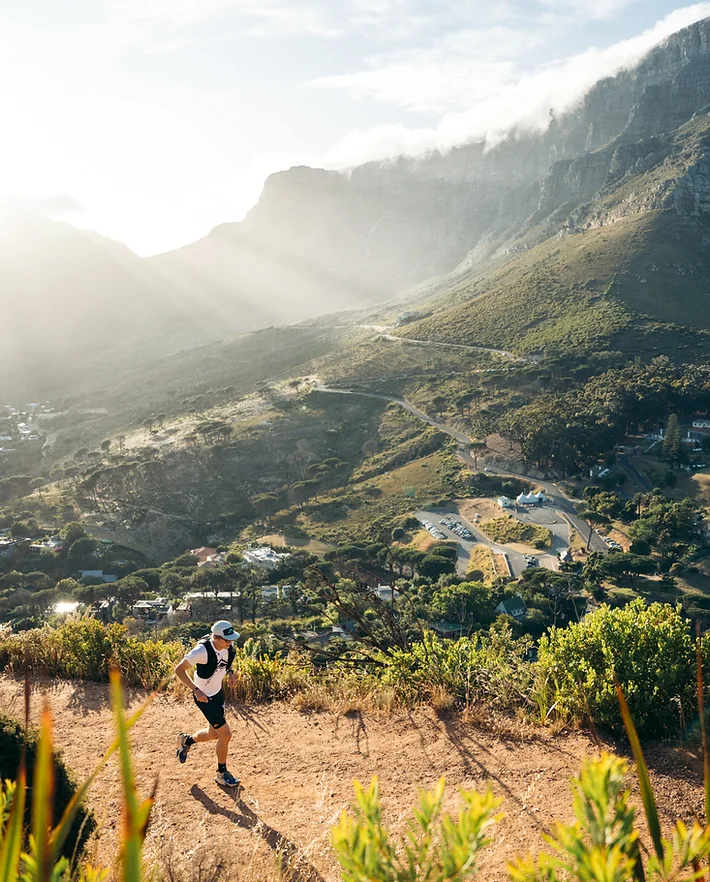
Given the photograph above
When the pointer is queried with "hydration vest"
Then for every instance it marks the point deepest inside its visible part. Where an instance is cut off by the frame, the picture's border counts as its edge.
(206, 670)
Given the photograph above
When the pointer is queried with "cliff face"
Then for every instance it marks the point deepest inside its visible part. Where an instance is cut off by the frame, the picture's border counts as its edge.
(320, 240)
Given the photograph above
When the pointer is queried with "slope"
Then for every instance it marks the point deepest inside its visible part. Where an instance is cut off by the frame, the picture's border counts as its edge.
(627, 269)
(297, 770)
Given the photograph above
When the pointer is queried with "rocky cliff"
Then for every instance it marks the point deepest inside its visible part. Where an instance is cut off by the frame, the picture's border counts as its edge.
(318, 239)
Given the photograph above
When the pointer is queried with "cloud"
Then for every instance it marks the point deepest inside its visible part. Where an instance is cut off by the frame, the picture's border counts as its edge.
(56, 205)
(498, 96)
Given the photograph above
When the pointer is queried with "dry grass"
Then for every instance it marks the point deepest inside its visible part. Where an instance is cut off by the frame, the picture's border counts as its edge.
(501, 565)
(481, 561)
(315, 546)
(508, 529)
(486, 508)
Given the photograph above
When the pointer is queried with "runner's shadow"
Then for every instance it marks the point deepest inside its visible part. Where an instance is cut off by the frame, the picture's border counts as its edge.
(243, 713)
(295, 866)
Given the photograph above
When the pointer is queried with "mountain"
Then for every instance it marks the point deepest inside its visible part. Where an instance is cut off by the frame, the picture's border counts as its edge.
(318, 238)
(544, 239)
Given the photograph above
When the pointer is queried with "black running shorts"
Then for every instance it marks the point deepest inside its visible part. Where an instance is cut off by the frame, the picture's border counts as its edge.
(213, 709)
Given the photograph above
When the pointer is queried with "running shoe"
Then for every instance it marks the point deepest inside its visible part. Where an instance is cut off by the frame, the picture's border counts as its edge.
(227, 779)
(183, 747)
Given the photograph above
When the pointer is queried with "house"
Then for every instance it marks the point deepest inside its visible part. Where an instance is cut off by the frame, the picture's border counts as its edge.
(566, 556)
(152, 610)
(514, 607)
(598, 471)
(213, 560)
(203, 605)
(264, 557)
(504, 502)
(202, 553)
(657, 434)
(107, 578)
(7, 547)
(104, 613)
(53, 544)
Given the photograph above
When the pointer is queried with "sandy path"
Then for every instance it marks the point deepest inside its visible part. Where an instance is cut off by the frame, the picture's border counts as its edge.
(297, 770)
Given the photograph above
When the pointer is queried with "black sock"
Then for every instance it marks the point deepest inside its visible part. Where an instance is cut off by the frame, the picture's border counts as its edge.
(221, 767)
(189, 741)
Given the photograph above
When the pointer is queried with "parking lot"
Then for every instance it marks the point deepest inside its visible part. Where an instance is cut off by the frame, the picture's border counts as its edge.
(447, 523)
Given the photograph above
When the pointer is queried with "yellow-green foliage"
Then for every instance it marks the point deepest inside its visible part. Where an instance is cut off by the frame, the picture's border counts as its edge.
(437, 846)
(510, 529)
(648, 648)
(85, 649)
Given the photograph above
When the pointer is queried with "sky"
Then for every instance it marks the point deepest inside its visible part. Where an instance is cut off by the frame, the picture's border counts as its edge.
(153, 121)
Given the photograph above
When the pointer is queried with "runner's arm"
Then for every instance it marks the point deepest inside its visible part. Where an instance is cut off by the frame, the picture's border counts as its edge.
(183, 676)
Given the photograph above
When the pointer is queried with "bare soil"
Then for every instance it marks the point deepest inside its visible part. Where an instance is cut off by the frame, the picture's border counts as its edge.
(297, 771)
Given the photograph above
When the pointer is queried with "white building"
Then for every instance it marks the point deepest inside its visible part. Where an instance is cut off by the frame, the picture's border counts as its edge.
(531, 498)
(504, 502)
(263, 557)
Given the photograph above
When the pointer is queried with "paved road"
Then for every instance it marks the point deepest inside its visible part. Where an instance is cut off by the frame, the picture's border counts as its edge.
(557, 499)
(504, 352)
(640, 478)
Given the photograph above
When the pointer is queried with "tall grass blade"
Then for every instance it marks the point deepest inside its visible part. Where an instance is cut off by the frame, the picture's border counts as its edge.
(703, 728)
(62, 830)
(135, 816)
(43, 800)
(647, 797)
(11, 845)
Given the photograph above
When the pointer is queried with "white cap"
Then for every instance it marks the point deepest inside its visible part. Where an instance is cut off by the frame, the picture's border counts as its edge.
(224, 630)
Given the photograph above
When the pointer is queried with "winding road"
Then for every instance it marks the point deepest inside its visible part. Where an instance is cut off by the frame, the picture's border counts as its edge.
(558, 500)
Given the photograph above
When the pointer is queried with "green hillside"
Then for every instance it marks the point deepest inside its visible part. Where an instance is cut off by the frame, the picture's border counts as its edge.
(637, 285)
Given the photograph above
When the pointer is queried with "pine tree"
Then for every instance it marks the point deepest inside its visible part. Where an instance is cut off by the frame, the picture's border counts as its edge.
(672, 447)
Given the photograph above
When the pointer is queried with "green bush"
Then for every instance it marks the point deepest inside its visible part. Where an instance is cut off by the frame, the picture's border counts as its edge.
(84, 649)
(649, 649)
(489, 670)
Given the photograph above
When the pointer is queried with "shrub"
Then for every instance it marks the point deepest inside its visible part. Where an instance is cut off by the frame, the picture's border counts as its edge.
(437, 847)
(649, 649)
(38, 857)
(85, 649)
(479, 669)
(509, 529)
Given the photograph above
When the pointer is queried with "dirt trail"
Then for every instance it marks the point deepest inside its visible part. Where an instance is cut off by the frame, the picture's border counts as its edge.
(297, 770)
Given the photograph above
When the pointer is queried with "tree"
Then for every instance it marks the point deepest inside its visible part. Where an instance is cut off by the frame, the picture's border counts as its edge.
(672, 450)
(265, 504)
(439, 404)
(82, 550)
(434, 565)
(130, 589)
(73, 531)
(468, 603)
(106, 445)
(121, 441)
(161, 417)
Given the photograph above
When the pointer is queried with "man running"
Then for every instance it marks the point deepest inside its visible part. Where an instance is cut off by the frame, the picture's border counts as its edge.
(212, 657)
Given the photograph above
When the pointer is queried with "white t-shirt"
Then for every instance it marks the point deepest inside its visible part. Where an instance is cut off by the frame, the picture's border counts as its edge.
(198, 656)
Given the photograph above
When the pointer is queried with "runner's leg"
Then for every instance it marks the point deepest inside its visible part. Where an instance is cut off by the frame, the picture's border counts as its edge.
(210, 734)
(224, 736)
